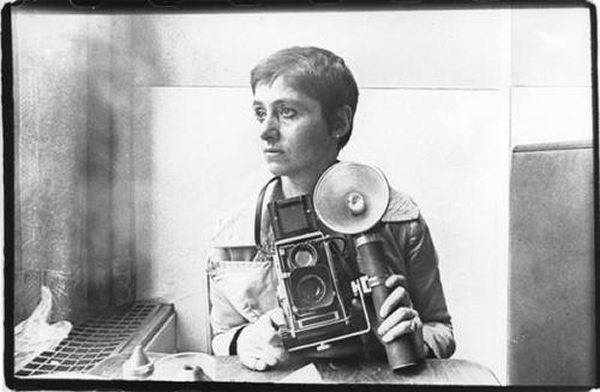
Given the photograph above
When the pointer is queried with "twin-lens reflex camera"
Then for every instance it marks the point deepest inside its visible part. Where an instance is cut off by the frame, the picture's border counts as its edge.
(316, 287)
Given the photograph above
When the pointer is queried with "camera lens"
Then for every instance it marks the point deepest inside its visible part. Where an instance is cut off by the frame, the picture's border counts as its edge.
(304, 255)
(311, 289)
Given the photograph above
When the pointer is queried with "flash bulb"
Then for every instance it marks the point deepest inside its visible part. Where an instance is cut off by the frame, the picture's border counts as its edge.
(356, 203)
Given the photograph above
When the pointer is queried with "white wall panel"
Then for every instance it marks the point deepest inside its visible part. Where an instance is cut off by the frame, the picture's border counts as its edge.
(552, 114)
(551, 47)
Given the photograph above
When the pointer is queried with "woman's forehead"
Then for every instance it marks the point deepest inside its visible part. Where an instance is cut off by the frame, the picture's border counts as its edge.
(281, 87)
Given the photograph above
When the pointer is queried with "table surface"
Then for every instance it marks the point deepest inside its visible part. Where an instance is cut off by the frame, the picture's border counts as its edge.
(229, 369)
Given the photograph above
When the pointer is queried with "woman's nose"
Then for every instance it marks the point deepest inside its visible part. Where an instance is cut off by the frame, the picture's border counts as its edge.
(270, 128)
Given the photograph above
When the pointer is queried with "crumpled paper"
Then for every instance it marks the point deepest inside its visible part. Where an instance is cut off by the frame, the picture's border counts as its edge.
(35, 335)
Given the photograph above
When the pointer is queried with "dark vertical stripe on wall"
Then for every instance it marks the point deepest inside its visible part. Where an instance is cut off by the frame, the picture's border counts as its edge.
(110, 238)
(121, 79)
(99, 164)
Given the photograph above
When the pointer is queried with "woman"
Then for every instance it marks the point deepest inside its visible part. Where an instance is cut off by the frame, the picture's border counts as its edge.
(305, 99)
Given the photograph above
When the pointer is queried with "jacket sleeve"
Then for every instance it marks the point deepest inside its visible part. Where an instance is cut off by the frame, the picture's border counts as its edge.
(224, 321)
(425, 289)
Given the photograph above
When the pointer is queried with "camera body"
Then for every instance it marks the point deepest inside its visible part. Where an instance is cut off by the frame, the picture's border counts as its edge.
(313, 290)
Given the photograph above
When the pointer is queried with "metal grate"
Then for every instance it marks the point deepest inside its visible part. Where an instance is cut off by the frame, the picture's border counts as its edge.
(91, 341)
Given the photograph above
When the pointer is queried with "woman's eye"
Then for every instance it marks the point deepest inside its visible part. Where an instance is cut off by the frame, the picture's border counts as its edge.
(287, 112)
(260, 114)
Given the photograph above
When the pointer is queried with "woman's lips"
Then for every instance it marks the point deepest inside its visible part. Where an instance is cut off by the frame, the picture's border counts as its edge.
(272, 151)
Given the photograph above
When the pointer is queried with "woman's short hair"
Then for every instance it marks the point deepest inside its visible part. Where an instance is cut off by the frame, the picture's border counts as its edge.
(316, 72)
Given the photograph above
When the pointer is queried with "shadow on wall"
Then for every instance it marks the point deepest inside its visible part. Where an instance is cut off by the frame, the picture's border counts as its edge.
(50, 97)
(74, 218)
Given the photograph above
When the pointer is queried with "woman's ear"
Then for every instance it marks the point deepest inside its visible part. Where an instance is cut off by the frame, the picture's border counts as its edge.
(343, 122)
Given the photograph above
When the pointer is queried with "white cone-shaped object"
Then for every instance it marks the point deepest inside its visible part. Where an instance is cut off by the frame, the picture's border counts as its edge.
(138, 365)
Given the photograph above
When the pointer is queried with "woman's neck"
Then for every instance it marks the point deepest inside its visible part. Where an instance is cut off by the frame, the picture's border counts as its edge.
(293, 186)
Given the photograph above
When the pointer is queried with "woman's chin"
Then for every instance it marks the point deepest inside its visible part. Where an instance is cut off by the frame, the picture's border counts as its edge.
(277, 169)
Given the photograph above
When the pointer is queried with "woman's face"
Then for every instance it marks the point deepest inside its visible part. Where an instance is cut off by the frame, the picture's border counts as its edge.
(296, 138)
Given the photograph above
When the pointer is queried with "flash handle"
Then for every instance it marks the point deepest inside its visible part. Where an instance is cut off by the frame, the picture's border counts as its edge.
(401, 352)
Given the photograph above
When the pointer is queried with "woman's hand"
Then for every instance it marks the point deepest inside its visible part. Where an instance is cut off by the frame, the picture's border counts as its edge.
(399, 317)
(259, 345)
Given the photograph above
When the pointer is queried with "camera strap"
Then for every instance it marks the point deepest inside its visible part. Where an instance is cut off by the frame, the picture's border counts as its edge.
(258, 212)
